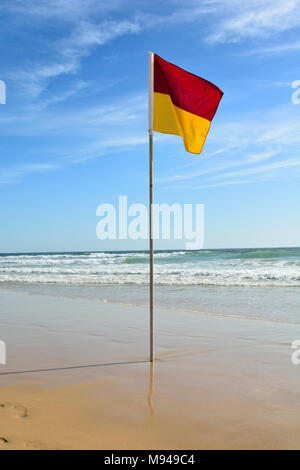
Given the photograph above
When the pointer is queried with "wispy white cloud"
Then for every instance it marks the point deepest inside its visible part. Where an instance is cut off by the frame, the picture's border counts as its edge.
(34, 80)
(63, 10)
(85, 29)
(69, 51)
(275, 49)
(254, 19)
(80, 25)
(95, 120)
(278, 165)
(246, 142)
(236, 20)
(96, 132)
(59, 97)
(263, 173)
(17, 172)
(96, 149)
(220, 167)
(276, 84)
(240, 149)
(117, 126)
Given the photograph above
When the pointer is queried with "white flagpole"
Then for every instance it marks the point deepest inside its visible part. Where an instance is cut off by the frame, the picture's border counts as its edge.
(150, 130)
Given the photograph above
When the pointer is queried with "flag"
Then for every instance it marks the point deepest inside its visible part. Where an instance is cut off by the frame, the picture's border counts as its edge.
(183, 103)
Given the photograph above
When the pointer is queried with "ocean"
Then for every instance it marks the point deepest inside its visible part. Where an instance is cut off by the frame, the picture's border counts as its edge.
(278, 267)
(248, 283)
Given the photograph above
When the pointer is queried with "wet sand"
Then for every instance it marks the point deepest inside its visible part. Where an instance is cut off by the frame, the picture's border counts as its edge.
(77, 377)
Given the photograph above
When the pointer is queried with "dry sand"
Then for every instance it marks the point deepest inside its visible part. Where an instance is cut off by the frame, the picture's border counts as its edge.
(218, 382)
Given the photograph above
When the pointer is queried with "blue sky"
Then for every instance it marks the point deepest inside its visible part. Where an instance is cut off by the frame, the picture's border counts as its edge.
(73, 132)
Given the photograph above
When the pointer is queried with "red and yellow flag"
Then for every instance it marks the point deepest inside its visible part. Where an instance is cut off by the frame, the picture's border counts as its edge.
(183, 104)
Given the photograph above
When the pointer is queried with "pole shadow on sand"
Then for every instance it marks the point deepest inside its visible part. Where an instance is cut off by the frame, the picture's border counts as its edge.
(151, 375)
(15, 372)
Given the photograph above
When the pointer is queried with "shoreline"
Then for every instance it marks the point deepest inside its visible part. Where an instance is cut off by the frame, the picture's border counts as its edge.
(158, 307)
(274, 305)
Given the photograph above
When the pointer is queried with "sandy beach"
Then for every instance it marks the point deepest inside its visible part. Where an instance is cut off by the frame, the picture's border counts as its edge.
(77, 377)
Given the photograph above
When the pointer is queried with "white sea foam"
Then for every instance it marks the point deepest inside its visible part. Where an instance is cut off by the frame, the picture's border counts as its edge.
(269, 267)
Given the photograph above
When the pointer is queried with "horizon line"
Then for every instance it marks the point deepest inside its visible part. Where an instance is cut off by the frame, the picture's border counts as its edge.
(142, 251)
